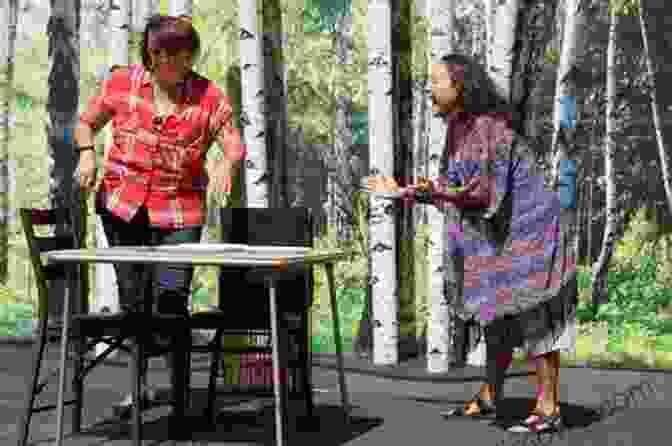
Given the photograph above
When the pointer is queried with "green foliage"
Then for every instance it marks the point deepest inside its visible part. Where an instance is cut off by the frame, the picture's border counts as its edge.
(320, 16)
(624, 7)
(642, 230)
(638, 283)
(552, 56)
(634, 300)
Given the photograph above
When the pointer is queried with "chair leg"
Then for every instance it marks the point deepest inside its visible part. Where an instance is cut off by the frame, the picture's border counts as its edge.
(214, 374)
(187, 379)
(78, 384)
(32, 385)
(306, 365)
(137, 359)
(178, 373)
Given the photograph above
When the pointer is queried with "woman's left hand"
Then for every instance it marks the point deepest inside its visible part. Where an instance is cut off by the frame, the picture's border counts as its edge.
(221, 177)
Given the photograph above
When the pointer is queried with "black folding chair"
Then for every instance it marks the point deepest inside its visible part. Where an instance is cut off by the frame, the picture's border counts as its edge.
(244, 304)
(87, 329)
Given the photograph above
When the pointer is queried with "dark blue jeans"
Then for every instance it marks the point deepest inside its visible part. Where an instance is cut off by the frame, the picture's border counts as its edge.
(171, 283)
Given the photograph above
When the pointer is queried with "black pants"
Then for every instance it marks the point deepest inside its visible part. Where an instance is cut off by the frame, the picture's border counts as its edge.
(171, 283)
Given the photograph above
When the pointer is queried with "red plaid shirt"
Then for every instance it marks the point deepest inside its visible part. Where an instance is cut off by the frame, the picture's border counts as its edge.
(160, 164)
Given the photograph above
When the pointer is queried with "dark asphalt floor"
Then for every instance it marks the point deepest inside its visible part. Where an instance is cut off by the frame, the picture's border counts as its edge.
(600, 407)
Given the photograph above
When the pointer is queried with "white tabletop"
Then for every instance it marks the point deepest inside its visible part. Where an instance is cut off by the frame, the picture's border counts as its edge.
(211, 254)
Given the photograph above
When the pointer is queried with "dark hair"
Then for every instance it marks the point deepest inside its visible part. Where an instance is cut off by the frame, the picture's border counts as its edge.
(158, 21)
(480, 96)
(480, 92)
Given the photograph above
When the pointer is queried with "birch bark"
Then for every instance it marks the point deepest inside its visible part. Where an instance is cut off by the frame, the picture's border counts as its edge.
(181, 7)
(655, 106)
(253, 110)
(601, 267)
(443, 19)
(382, 243)
(107, 292)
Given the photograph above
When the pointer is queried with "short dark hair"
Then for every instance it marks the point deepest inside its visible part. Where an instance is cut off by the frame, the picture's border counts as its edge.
(158, 21)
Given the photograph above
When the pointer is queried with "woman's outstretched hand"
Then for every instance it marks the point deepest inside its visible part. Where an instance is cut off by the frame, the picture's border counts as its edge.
(381, 184)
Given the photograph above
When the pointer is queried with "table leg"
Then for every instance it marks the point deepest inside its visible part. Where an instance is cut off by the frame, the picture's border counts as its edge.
(337, 339)
(279, 389)
(62, 374)
(179, 376)
(137, 360)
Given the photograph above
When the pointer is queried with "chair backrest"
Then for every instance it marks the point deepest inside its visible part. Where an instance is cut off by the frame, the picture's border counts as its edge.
(264, 226)
(32, 219)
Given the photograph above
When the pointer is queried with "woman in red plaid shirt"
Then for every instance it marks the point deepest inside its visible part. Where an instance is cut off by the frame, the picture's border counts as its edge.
(164, 119)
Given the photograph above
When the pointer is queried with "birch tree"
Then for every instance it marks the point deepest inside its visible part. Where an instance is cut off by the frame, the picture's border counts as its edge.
(62, 110)
(601, 267)
(107, 292)
(382, 243)
(490, 9)
(10, 13)
(655, 106)
(181, 7)
(442, 14)
(252, 117)
(503, 19)
(571, 59)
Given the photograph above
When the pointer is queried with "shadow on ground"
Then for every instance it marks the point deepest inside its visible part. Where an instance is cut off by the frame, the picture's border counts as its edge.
(236, 425)
(513, 410)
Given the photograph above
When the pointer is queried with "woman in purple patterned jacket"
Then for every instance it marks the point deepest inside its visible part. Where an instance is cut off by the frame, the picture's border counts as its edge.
(510, 263)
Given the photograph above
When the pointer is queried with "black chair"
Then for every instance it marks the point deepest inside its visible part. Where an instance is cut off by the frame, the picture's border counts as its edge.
(244, 304)
(87, 329)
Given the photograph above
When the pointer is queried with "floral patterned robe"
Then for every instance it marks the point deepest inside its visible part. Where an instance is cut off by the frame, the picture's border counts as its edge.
(507, 241)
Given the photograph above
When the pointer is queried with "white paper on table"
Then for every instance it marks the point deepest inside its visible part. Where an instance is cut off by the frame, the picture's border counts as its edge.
(276, 250)
(237, 248)
(204, 247)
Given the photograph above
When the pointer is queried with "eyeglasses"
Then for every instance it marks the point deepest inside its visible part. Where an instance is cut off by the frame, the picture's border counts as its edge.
(162, 56)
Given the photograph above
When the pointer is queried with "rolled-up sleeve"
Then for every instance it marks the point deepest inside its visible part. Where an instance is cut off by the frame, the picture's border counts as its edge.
(225, 133)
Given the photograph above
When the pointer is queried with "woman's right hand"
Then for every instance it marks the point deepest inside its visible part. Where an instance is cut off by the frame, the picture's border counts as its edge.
(381, 184)
(87, 170)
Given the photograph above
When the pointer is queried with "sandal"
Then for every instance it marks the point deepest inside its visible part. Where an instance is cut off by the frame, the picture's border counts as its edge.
(486, 409)
(537, 424)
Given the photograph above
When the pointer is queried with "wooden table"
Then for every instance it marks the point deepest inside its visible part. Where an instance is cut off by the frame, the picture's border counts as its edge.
(270, 262)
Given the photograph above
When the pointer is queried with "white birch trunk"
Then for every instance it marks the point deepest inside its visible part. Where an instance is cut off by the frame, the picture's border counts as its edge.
(62, 107)
(141, 10)
(253, 118)
(571, 58)
(503, 40)
(181, 7)
(490, 10)
(382, 244)
(601, 267)
(107, 292)
(443, 18)
(10, 12)
(655, 107)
